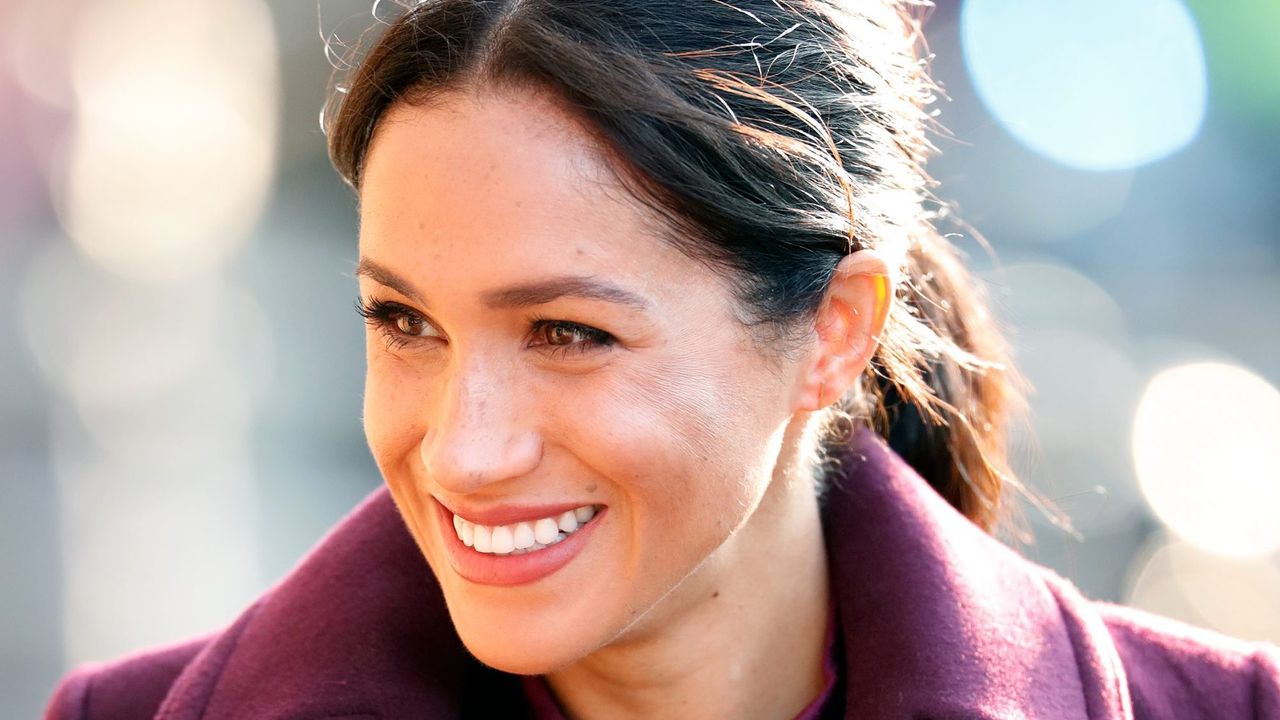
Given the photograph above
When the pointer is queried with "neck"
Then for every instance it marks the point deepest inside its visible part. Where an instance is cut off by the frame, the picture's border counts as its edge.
(743, 637)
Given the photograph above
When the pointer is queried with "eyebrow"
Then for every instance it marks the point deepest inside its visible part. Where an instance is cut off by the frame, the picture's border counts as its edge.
(537, 292)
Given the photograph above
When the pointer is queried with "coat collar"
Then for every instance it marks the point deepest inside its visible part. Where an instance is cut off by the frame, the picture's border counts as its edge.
(940, 620)
(937, 620)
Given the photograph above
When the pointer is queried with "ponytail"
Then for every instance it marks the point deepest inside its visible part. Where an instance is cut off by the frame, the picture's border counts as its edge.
(941, 390)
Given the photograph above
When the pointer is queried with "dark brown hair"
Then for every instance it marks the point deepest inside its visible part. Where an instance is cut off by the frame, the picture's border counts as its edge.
(774, 137)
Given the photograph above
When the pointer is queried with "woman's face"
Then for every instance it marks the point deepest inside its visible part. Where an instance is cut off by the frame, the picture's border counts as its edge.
(535, 348)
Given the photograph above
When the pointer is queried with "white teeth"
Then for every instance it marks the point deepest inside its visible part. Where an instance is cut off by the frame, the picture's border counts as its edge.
(522, 537)
(502, 541)
(545, 531)
(567, 522)
(483, 539)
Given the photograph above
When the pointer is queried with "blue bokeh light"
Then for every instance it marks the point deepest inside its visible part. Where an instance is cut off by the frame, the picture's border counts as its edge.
(1092, 84)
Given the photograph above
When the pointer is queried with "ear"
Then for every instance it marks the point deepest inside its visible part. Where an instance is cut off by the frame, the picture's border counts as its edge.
(847, 328)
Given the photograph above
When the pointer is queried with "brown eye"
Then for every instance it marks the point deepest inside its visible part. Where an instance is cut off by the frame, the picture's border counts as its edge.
(561, 334)
(559, 337)
(411, 325)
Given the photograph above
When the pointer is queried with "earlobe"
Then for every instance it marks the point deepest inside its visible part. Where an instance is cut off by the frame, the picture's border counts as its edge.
(847, 328)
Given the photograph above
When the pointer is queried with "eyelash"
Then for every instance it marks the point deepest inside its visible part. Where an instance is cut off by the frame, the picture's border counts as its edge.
(594, 339)
(383, 314)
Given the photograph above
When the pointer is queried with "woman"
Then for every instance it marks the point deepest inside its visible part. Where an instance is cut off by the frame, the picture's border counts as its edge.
(683, 407)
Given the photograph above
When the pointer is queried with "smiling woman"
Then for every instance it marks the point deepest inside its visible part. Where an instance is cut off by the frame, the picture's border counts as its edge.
(580, 364)
(683, 407)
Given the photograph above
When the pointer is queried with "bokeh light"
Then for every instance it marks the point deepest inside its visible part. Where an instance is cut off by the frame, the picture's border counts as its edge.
(1078, 467)
(180, 529)
(150, 441)
(136, 361)
(180, 370)
(153, 357)
(1042, 294)
(1237, 596)
(33, 51)
(173, 147)
(1070, 329)
(1092, 84)
(1244, 57)
(1206, 448)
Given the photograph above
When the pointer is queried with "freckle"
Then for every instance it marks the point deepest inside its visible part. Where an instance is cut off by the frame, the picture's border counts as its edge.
(592, 487)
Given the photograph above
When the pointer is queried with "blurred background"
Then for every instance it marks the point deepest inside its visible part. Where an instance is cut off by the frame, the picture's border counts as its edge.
(180, 367)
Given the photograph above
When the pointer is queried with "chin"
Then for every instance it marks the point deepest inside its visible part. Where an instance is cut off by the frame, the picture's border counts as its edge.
(515, 647)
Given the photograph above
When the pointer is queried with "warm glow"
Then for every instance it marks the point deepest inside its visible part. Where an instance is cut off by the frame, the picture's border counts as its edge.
(1206, 447)
(172, 153)
(1237, 596)
(151, 352)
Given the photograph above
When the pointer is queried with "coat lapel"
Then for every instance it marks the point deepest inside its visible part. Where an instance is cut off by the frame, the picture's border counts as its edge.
(940, 620)
(358, 629)
(937, 619)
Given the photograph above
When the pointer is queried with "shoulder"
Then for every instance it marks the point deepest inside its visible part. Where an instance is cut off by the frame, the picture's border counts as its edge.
(1176, 670)
(131, 687)
(358, 628)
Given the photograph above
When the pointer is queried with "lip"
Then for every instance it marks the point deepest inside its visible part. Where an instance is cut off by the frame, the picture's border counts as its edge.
(508, 514)
(504, 570)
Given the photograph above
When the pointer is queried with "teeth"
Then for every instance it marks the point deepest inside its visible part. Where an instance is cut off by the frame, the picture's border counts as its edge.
(522, 537)
(568, 522)
(483, 539)
(545, 531)
(502, 541)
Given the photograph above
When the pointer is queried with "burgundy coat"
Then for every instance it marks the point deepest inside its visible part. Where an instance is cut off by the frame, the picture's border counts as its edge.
(937, 620)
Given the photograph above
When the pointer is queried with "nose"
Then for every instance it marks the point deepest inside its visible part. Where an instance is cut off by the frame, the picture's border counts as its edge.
(478, 437)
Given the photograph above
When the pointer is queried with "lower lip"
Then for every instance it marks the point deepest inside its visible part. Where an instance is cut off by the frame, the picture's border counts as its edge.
(489, 569)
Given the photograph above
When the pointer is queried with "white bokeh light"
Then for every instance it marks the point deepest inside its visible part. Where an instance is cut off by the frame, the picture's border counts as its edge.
(155, 357)
(173, 148)
(1206, 448)
(1092, 84)
(1237, 596)
(155, 388)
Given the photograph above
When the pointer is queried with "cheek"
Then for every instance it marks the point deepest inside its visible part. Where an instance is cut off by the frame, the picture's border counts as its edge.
(683, 441)
(395, 400)
(395, 404)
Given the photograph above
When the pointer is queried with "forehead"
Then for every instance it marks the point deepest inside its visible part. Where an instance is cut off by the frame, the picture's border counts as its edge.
(505, 182)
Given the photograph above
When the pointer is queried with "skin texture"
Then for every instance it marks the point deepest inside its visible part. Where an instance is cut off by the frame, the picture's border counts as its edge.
(691, 438)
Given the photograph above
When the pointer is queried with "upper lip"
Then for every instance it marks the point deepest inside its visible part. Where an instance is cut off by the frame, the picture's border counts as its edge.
(509, 514)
